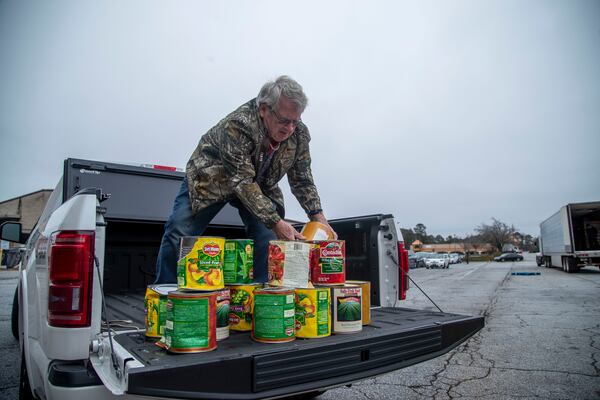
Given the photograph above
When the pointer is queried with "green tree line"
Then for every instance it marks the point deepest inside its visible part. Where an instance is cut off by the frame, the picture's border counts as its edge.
(497, 234)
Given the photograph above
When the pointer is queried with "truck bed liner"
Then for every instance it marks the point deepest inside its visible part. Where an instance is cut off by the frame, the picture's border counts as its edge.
(396, 338)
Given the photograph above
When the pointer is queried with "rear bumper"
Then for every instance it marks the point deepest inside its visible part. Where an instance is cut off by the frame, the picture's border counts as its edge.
(396, 339)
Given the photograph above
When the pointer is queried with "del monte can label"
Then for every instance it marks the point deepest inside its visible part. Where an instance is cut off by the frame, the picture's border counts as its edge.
(201, 264)
(211, 249)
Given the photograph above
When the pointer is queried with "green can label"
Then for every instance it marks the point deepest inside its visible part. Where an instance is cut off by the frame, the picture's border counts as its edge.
(187, 325)
(332, 266)
(323, 313)
(238, 264)
(274, 316)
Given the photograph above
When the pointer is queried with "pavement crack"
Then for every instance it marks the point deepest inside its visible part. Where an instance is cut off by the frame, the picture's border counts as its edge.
(595, 344)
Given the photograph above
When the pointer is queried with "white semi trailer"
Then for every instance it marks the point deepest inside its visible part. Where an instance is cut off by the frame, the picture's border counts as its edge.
(570, 238)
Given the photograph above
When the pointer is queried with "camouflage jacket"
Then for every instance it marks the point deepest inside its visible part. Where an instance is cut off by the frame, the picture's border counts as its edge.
(225, 163)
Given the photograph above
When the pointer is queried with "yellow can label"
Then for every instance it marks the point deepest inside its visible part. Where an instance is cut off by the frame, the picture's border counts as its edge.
(155, 304)
(202, 267)
(241, 307)
(313, 313)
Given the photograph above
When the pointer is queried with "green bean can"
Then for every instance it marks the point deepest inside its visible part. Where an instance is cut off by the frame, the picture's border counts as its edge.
(238, 265)
(191, 322)
(274, 312)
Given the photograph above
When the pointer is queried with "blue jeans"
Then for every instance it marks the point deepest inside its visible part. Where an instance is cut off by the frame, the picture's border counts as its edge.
(183, 222)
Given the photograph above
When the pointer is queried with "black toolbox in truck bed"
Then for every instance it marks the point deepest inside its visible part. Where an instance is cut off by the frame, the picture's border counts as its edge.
(243, 369)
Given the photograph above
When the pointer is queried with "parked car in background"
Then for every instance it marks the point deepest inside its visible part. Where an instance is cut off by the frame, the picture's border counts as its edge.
(420, 259)
(435, 260)
(412, 259)
(12, 257)
(447, 257)
(415, 260)
(509, 257)
(454, 258)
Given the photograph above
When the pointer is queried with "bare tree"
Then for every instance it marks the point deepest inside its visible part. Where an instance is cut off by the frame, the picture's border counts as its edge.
(497, 233)
(420, 232)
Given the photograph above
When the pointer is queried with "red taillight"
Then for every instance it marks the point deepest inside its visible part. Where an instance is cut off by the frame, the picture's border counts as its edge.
(403, 273)
(70, 273)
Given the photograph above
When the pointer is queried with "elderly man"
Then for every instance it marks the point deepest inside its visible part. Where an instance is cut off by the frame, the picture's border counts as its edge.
(240, 161)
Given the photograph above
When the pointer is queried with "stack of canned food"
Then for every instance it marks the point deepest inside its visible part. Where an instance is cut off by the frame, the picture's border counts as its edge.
(307, 295)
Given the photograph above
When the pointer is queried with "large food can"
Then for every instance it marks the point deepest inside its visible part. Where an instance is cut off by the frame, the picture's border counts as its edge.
(241, 306)
(313, 312)
(366, 299)
(289, 263)
(223, 301)
(155, 305)
(346, 308)
(200, 266)
(328, 262)
(314, 230)
(274, 312)
(238, 264)
(191, 322)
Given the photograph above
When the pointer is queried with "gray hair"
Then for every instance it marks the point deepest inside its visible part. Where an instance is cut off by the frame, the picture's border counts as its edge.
(284, 85)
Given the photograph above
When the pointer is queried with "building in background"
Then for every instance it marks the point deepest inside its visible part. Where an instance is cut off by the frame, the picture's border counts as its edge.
(25, 209)
(463, 248)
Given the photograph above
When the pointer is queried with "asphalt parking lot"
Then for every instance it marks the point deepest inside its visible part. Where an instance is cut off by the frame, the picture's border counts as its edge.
(541, 339)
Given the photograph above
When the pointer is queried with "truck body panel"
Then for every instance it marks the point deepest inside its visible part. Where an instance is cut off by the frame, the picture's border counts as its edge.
(569, 239)
(102, 198)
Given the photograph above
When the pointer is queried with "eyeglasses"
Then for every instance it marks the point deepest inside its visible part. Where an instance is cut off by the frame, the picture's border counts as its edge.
(284, 121)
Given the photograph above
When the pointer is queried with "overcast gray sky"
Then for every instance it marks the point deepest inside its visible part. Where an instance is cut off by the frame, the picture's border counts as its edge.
(445, 113)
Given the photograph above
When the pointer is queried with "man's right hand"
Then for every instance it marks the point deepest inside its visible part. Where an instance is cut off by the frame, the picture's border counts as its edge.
(285, 231)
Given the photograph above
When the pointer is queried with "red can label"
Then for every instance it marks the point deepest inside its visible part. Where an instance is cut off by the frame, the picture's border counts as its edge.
(328, 262)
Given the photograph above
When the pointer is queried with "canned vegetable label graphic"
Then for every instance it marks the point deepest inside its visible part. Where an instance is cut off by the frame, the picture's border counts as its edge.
(238, 265)
(202, 267)
(274, 312)
(313, 313)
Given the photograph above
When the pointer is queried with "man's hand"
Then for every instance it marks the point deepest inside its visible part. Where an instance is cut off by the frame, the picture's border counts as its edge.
(285, 231)
(321, 218)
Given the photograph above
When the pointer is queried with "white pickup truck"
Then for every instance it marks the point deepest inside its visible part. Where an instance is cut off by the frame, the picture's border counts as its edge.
(80, 313)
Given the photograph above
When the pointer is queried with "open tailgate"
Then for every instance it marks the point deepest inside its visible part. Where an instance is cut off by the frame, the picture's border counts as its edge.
(243, 369)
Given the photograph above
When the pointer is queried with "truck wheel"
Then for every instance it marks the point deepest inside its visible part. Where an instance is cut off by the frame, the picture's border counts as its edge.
(14, 316)
(24, 388)
(571, 264)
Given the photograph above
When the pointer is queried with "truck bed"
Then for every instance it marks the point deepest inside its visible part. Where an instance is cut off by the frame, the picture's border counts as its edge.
(243, 369)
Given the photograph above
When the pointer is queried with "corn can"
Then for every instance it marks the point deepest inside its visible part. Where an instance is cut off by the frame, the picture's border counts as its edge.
(328, 262)
(313, 312)
(346, 308)
(274, 315)
(238, 264)
(155, 307)
(366, 300)
(241, 306)
(289, 263)
(223, 302)
(191, 322)
(201, 266)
